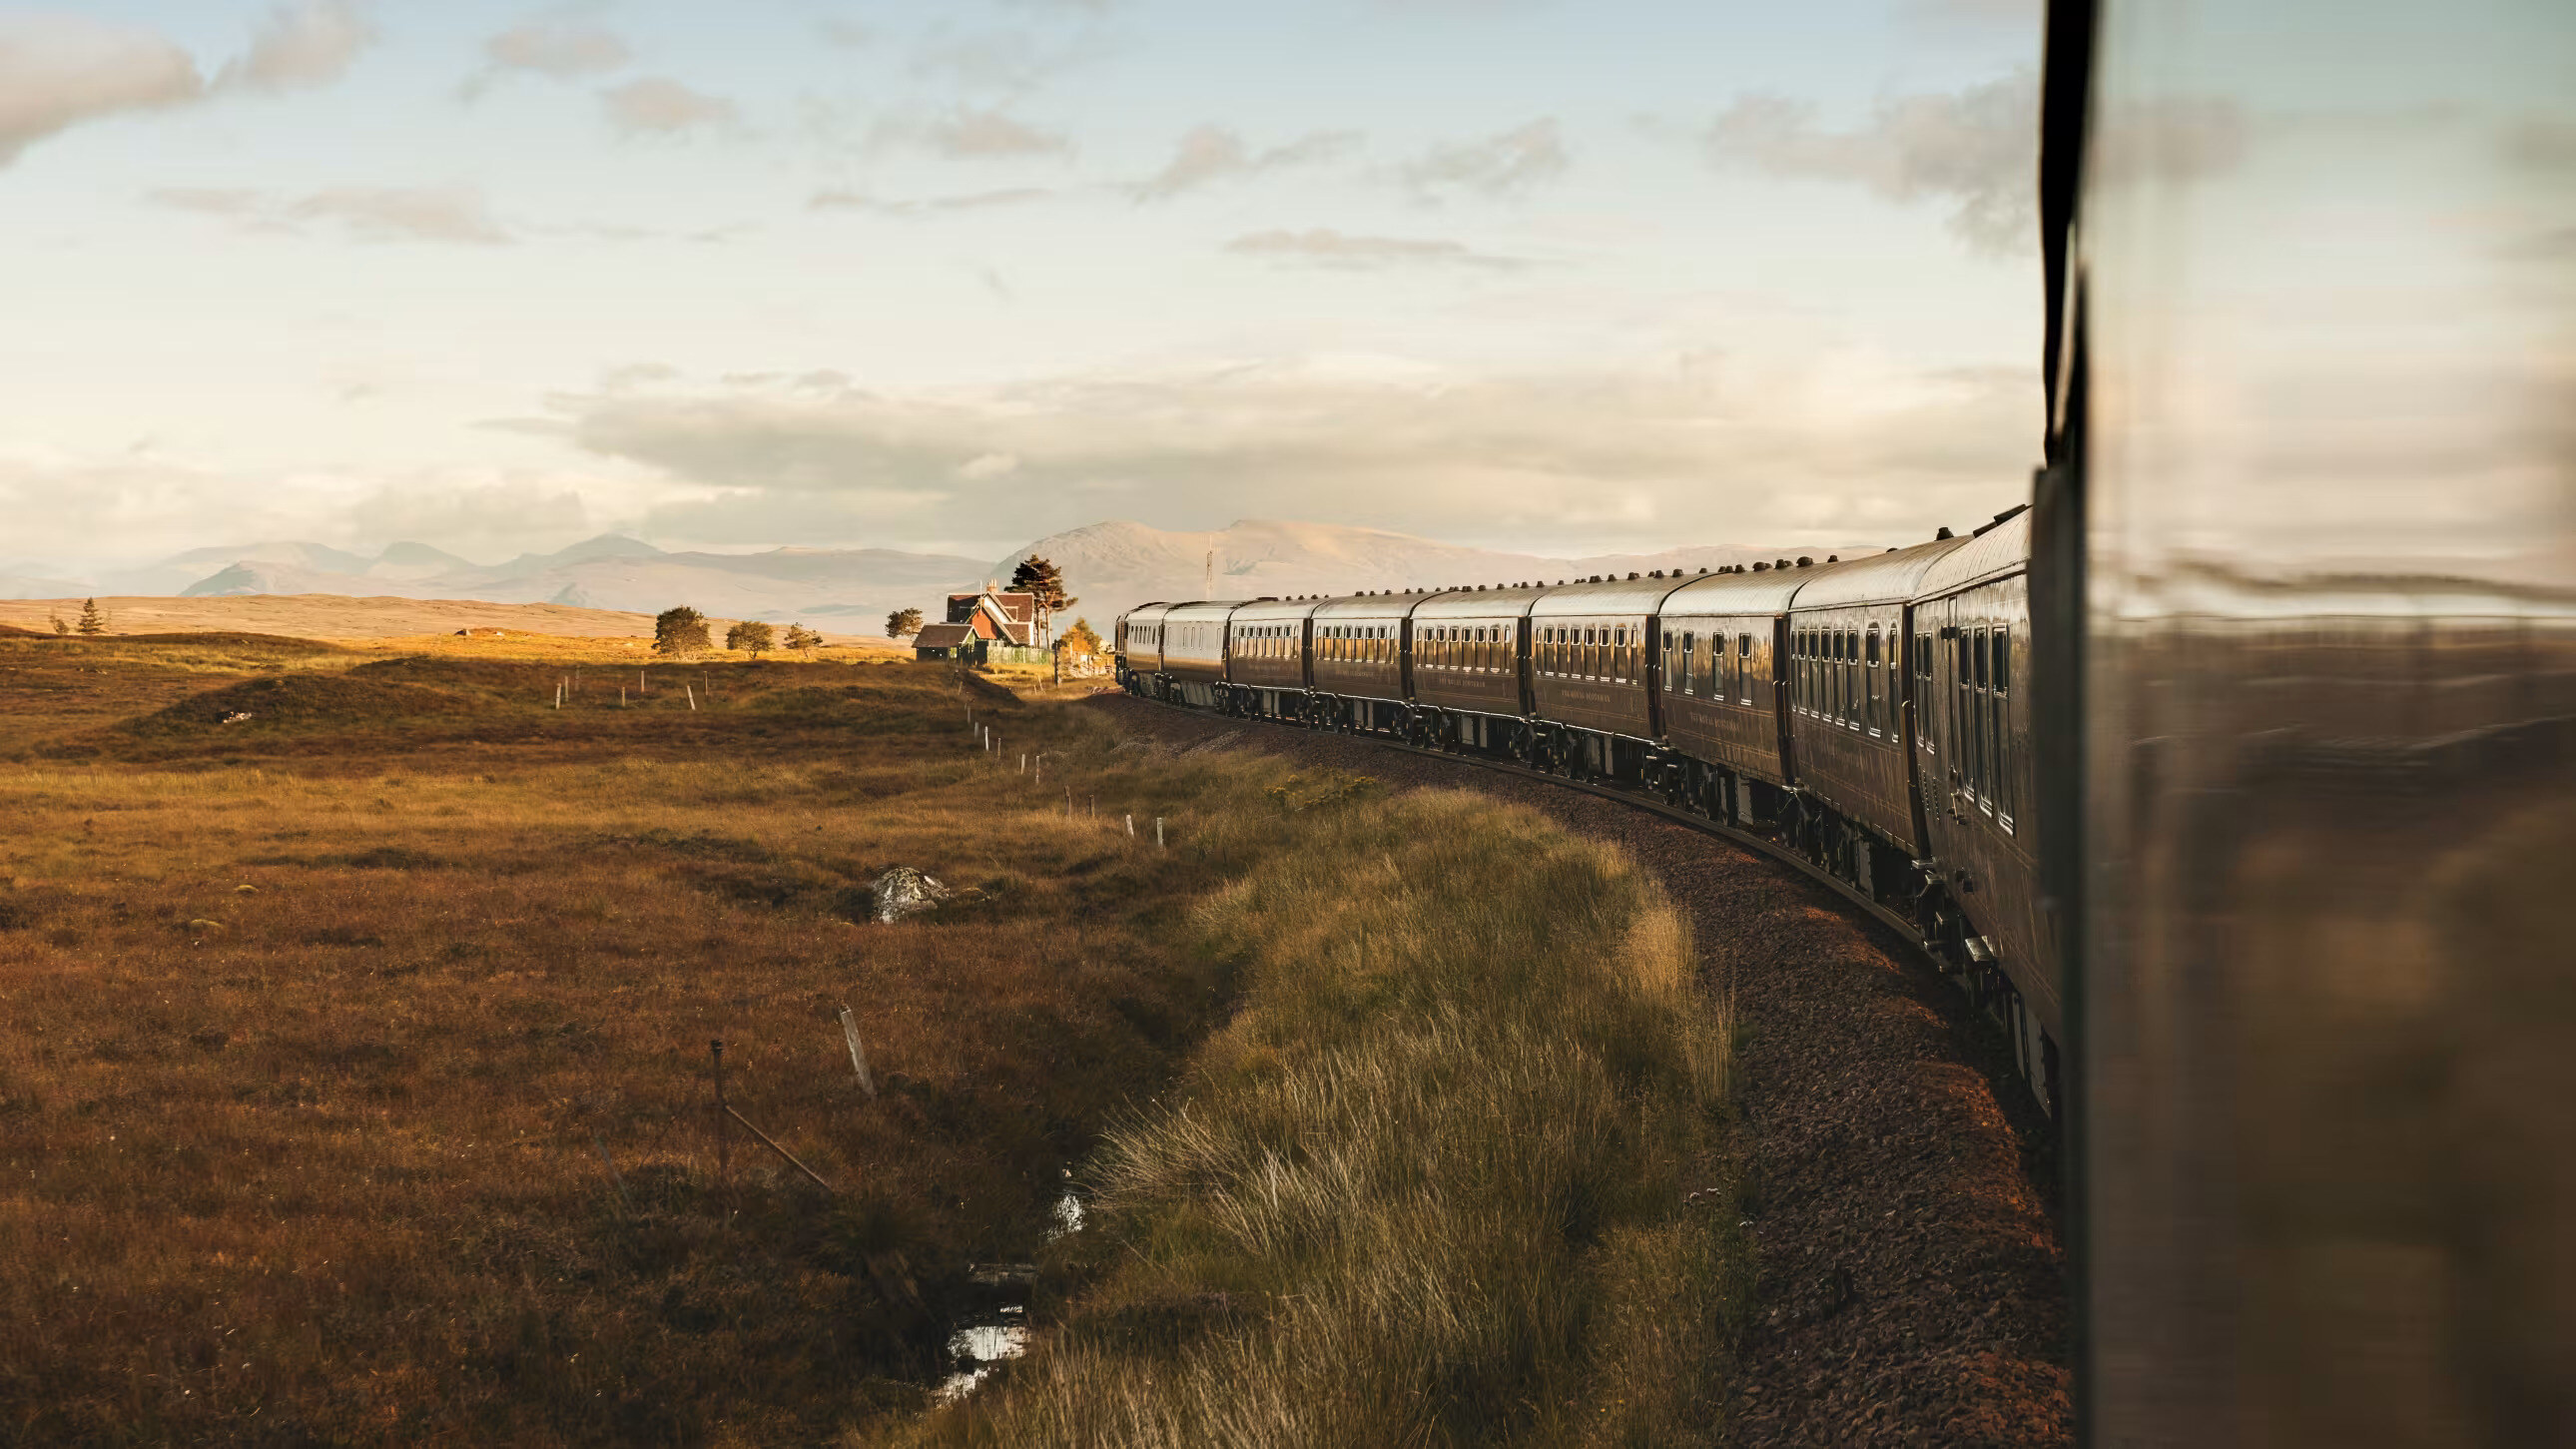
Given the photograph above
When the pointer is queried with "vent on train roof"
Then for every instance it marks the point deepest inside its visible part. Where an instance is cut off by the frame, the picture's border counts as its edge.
(1944, 533)
(1833, 558)
(1760, 567)
(1805, 562)
(1632, 573)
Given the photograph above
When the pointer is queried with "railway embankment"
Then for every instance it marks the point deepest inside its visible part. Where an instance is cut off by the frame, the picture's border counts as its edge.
(1897, 1185)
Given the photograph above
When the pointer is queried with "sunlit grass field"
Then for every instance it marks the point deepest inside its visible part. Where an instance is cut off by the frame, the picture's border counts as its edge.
(355, 1010)
(355, 1076)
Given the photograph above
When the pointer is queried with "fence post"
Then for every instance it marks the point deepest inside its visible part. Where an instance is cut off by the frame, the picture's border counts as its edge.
(858, 1058)
(693, 699)
(1131, 827)
(1158, 832)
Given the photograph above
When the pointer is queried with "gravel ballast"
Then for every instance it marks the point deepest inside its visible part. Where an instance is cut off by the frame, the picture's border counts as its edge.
(1898, 1178)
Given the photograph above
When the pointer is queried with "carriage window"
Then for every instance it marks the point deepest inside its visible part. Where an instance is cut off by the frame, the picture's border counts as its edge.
(2002, 649)
(1977, 654)
(1690, 663)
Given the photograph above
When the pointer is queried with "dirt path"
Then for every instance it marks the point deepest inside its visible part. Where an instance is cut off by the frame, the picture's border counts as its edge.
(1911, 1287)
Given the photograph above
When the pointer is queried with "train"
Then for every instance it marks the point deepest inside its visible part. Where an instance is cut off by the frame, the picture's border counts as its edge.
(1873, 714)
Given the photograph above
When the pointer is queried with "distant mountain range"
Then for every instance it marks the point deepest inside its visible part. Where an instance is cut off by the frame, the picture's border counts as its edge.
(1108, 566)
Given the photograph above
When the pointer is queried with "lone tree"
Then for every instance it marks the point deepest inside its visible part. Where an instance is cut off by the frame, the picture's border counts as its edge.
(1080, 641)
(903, 623)
(752, 636)
(1041, 578)
(801, 639)
(680, 631)
(92, 622)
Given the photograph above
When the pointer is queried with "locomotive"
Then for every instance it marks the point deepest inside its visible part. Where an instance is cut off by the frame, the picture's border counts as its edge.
(1870, 714)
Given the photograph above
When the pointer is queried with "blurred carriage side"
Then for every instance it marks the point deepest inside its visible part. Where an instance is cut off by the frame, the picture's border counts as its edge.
(2316, 335)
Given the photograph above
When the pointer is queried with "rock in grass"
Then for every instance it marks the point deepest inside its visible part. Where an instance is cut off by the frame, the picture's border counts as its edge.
(206, 928)
(902, 892)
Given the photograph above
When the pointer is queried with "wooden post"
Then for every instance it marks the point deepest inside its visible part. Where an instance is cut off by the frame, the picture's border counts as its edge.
(693, 699)
(858, 1058)
(1158, 832)
(1131, 827)
(772, 1144)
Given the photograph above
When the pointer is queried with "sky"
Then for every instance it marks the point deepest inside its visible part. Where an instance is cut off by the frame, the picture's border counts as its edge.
(1537, 275)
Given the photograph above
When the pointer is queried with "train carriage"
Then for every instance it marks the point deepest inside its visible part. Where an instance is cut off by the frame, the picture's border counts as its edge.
(1140, 643)
(1194, 651)
(1849, 726)
(1590, 675)
(1721, 694)
(1973, 761)
(1266, 657)
(1470, 686)
(1358, 663)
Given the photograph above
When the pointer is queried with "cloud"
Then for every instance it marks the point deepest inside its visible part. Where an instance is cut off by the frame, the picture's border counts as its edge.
(977, 134)
(454, 215)
(1323, 247)
(661, 106)
(1977, 148)
(1212, 153)
(839, 200)
(2538, 143)
(564, 51)
(299, 45)
(58, 71)
(1499, 165)
(1680, 453)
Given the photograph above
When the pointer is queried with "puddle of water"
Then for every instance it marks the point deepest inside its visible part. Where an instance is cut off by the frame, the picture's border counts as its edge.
(979, 1348)
(982, 1346)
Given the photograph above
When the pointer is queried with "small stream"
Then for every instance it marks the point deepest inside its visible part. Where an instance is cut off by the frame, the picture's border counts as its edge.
(997, 1330)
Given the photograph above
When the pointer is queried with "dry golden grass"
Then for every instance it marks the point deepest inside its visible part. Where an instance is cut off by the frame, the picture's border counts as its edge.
(319, 1024)
(1432, 1183)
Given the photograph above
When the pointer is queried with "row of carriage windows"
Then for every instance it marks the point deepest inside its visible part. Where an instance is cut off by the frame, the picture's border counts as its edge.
(1604, 652)
(1981, 720)
(1846, 676)
(1709, 666)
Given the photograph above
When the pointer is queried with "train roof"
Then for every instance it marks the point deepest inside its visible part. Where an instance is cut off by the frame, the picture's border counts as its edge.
(1202, 609)
(1370, 606)
(1747, 593)
(1146, 613)
(1511, 603)
(2002, 547)
(1267, 611)
(1892, 577)
(1607, 596)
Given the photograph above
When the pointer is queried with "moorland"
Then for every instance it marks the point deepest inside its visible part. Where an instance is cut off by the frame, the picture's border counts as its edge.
(355, 1081)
